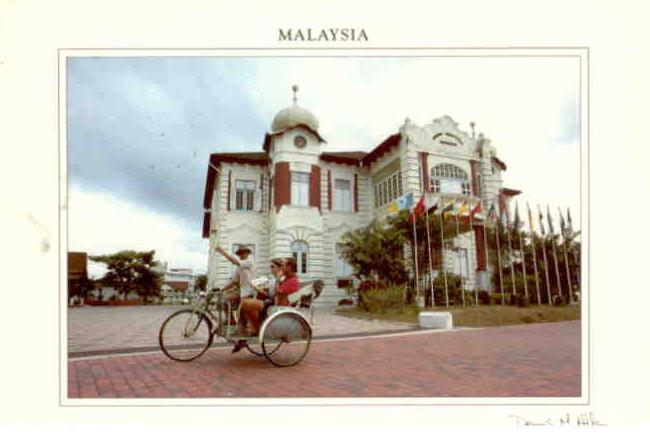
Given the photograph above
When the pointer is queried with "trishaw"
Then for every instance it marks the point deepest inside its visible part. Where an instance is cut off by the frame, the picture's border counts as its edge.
(284, 336)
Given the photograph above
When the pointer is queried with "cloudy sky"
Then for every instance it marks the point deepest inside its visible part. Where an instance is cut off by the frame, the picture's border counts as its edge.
(140, 130)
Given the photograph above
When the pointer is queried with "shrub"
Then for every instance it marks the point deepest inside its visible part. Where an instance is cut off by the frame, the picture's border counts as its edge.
(379, 300)
(453, 288)
(559, 300)
(522, 300)
(364, 287)
(345, 302)
(498, 298)
(484, 297)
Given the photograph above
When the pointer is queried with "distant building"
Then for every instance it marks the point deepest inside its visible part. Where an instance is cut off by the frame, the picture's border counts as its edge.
(77, 266)
(179, 280)
(77, 274)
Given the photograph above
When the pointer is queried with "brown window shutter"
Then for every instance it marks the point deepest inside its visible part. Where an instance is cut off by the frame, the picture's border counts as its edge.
(314, 187)
(229, 188)
(425, 171)
(472, 164)
(356, 193)
(329, 189)
(479, 241)
(282, 185)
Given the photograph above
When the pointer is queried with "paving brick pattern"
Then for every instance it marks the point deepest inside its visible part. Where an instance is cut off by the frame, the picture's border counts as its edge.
(540, 360)
(120, 328)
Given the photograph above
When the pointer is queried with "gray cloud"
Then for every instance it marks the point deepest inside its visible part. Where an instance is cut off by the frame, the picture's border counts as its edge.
(143, 128)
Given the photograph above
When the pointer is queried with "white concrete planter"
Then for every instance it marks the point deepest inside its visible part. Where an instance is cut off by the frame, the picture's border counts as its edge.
(436, 320)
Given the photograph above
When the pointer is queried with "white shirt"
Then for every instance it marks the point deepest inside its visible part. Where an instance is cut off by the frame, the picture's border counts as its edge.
(244, 274)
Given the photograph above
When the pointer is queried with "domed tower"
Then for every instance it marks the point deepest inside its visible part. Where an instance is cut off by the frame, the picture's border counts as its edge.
(295, 220)
(294, 134)
(294, 116)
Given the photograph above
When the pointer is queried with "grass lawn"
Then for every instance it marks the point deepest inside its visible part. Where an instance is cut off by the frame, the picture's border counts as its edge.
(478, 316)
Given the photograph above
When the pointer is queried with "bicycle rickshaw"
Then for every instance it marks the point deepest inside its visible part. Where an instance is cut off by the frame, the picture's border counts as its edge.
(284, 336)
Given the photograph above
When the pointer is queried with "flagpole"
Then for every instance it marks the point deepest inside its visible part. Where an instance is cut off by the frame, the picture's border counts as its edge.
(512, 267)
(575, 255)
(557, 269)
(471, 220)
(522, 251)
(460, 262)
(415, 252)
(566, 257)
(548, 282)
(532, 240)
(487, 252)
(442, 256)
(430, 260)
(426, 205)
(498, 229)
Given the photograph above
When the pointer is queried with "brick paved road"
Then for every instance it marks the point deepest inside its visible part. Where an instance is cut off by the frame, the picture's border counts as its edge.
(530, 360)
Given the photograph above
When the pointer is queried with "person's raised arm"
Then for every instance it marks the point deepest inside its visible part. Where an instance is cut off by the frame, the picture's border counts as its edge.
(227, 255)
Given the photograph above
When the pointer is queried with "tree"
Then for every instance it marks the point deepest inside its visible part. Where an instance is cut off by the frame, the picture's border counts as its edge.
(130, 271)
(201, 282)
(80, 287)
(375, 252)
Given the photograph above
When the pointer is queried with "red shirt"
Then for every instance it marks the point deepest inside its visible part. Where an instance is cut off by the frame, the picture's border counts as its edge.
(284, 289)
(288, 286)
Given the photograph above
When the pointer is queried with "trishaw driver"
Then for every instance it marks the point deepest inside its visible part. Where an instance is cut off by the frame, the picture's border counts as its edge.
(242, 277)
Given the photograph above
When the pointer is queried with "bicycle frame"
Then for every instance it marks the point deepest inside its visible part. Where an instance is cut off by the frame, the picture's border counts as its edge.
(223, 309)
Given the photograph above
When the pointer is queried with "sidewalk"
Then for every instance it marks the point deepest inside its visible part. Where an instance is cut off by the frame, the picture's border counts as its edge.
(93, 330)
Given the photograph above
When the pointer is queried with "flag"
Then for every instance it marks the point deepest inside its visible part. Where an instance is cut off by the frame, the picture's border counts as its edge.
(530, 219)
(563, 228)
(477, 209)
(404, 202)
(517, 220)
(505, 222)
(463, 208)
(431, 202)
(541, 221)
(550, 221)
(448, 209)
(491, 215)
(418, 210)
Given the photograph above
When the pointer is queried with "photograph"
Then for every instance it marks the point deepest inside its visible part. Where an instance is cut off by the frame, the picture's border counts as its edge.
(378, 224)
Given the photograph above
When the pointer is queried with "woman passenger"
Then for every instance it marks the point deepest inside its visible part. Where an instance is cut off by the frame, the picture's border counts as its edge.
(287, 284)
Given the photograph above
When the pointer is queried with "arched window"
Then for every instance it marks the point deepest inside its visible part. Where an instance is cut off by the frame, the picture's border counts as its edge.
(449, 179)
(299, 251)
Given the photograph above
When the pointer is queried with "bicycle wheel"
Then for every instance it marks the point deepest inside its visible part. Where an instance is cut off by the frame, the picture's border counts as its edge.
(185, 335)
(286, 339)
(255, 349)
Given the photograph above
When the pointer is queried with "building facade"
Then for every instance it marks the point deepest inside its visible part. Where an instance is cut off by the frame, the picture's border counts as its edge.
(293, 198)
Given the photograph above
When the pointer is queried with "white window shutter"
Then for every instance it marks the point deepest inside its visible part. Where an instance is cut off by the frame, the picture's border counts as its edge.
(257, 201)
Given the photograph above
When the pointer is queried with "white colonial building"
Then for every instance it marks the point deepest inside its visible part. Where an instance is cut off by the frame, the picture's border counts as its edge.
(292, 198)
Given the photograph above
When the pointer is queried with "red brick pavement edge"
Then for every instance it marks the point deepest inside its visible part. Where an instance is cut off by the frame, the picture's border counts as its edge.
(537, 360)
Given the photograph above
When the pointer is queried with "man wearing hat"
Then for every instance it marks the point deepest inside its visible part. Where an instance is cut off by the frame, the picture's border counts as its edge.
(242, 277)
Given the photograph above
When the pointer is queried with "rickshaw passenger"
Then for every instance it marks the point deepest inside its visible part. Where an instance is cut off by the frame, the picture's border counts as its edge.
(288, 284)
(254, 311)
(242, 277)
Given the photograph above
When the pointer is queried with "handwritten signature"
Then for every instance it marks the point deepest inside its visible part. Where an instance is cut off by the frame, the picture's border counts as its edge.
(576, 420)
